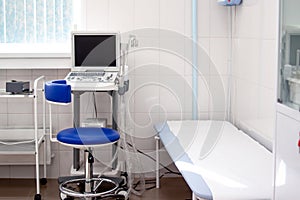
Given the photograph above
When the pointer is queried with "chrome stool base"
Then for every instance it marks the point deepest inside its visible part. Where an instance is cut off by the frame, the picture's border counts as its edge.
(100, 187)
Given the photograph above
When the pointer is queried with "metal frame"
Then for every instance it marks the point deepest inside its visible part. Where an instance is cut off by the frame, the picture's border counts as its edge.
(37, 138)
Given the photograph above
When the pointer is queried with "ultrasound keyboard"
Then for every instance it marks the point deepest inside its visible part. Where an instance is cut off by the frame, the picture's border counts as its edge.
(91, 81)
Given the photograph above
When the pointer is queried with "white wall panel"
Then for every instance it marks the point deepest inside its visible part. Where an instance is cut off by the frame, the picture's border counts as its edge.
(219, 55)
(204, 16)
(121, 14)
(268, 64)
(203, 94)
(146, 14)
(249, 18)
(97, 14)
(204, 61)
(218, 20)
(171, 94)
(146, 94)
(172, 15)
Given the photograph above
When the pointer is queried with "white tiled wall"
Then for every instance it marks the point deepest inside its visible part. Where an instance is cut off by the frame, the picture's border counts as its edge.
(161, 79)
(255, 66)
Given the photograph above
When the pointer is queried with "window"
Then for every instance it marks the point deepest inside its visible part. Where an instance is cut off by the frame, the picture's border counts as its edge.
(31, 26)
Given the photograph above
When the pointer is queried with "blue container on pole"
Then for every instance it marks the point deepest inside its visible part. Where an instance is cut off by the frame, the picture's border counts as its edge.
(229, 2)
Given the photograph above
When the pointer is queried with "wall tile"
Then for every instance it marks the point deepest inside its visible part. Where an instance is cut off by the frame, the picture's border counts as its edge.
(146, 164)
(4, 171)
(255, 65)
(203, 94)
(3, 78)
(146, 14)
(97, 14)
(171, 94)
(20, 105)
(62, 147)
(172, 15)
(146, 57)
(62, 73)
(269, 25)
(145, 143)
(121, 14)
(54, 168)
(171, 64)
(20, 120)
(3, 107)
(247, 100)
(146, 94)
(204, 61)
(143, 125)
(65, 162)
(164, 116)
(44, 72)
(218, 20)
(3, 72)
(266, 111)
(19, 72)
(247, 57)
(219, 56)
(268, 64)
(218, 93)
(65, 121)
(249, 18)
(204, 116)
(203, 18)
(22, 171)
(3, 120)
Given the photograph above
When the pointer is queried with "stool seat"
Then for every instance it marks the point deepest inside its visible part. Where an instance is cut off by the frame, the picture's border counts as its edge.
(87, 136)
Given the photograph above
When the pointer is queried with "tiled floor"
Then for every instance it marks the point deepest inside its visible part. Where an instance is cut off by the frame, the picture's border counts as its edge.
(24, 189)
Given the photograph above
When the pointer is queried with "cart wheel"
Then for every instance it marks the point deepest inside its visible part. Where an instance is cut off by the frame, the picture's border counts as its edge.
(43, 181)
(37, 197)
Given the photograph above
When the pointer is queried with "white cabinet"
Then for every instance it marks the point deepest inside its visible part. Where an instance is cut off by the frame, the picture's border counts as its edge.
(287, 166)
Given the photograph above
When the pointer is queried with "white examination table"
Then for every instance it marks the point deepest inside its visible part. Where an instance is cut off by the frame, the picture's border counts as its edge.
(217, 160)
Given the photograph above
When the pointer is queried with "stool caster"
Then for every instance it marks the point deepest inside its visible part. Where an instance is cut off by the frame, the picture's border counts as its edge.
(43, 181)
(122, 195)
(37, 197)
(65, 197)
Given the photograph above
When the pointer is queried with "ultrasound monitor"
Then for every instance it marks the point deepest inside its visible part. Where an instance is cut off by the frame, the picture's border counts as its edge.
(93, 51)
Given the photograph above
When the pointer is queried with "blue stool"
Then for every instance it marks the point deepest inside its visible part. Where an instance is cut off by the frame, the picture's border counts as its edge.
(59, 93)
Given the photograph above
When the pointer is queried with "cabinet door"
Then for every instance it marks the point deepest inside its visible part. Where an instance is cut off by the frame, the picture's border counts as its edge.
(287, 168)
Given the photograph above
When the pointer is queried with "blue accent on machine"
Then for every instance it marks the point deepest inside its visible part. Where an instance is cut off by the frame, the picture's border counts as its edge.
(229, 2)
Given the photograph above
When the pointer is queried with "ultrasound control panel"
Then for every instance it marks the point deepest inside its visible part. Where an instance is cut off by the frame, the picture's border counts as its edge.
(92, 80)
(92, 76)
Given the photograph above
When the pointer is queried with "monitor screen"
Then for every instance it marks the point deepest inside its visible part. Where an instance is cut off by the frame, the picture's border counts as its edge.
(95, 51)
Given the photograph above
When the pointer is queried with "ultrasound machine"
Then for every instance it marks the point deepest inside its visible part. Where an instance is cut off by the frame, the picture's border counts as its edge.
(95, 61)
(95, 67)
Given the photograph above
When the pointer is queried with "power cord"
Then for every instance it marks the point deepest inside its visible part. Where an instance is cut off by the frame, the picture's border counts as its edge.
(166, 168)
(151, 181)
(147, 182)
(95, 105)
